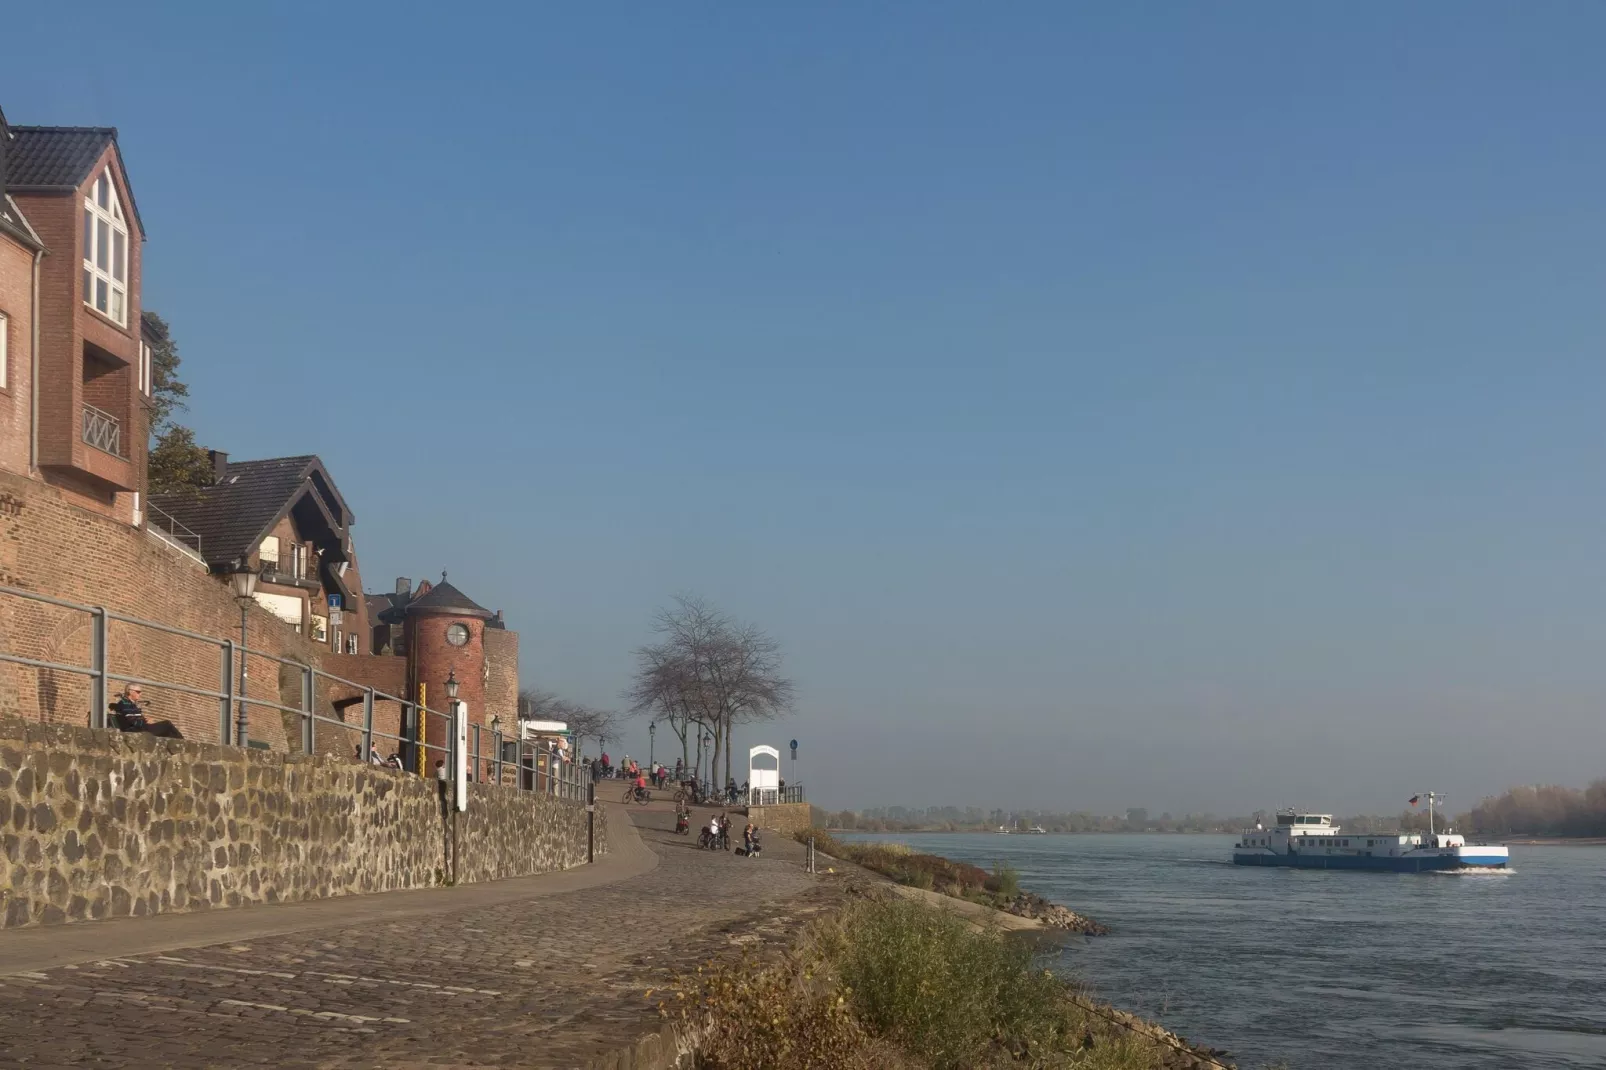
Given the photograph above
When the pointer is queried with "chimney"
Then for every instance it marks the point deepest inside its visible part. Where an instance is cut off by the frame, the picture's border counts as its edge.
(404, 585)
(220, 464)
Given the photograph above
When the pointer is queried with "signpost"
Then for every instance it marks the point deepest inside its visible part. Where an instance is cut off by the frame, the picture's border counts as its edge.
(460, 753)
(794, 763)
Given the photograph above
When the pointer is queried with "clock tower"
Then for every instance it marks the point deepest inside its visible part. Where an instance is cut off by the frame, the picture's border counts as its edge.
(445, 635)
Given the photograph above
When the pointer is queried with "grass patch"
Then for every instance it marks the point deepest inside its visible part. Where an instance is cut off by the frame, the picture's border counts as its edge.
(930, 872)
(899, 985)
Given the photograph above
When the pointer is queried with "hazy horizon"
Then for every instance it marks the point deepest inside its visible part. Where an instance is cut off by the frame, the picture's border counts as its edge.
(1190, 408)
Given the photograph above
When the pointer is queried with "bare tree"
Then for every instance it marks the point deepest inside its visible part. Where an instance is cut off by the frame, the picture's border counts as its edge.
(709, 672)
(584, 722)
(588, 722)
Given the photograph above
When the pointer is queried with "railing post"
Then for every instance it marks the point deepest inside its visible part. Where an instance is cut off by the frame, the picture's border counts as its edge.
(477, 765)
(309, 740)
(99, 698)
(225, 725)
(367, 723)
(496, 741)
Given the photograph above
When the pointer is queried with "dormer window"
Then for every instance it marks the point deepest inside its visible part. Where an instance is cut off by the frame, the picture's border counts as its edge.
(105, 251)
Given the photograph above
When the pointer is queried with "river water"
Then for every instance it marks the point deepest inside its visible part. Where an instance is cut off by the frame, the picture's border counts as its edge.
(1318, 968)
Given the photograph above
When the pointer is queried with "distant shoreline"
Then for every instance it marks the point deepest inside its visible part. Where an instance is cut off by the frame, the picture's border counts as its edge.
(1536, 841)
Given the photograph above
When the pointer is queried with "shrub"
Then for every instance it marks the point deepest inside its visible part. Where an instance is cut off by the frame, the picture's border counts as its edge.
(1005, 881)
(898, 985)
(945, 993)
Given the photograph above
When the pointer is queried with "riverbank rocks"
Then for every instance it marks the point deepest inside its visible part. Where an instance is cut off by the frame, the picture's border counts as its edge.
(1052, 915)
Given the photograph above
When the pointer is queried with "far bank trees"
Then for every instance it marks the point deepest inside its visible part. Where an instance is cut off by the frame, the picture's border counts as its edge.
(706, 674)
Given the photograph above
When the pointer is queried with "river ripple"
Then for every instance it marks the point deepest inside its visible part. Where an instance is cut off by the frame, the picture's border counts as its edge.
(1317, 968)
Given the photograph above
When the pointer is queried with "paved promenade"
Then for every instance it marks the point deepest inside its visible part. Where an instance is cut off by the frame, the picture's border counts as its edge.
(544, 971)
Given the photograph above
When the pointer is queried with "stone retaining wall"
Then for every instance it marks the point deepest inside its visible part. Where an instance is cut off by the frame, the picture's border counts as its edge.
(782, 817)
(97, 824)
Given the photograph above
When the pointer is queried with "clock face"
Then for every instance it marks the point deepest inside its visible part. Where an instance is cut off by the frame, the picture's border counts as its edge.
(457, 633)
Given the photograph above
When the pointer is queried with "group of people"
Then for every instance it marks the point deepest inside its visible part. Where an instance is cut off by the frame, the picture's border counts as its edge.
(717, 836)
(657, 774)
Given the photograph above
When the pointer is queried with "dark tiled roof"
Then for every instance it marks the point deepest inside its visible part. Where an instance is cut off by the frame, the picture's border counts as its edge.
(55, 156)
(444, 596)
(59, 157)
(381, 604)
(232, 516)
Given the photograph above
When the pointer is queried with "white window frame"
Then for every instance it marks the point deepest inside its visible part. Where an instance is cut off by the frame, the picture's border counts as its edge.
(268, 555)
(144, 368)
(102, 262)
(319, 632)
(351, 642)
(297, 553)
(5, 351)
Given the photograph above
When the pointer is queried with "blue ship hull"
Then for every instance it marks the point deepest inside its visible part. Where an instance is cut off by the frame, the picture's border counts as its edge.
(1405, 864)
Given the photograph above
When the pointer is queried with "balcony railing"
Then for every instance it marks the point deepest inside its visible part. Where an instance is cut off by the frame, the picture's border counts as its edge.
(103, 431)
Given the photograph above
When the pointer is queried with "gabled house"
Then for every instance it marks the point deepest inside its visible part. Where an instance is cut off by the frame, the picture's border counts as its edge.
(285, 516)
(74, 379)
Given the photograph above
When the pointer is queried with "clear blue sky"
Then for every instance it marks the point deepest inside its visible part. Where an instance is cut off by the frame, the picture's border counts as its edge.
(1194, 407)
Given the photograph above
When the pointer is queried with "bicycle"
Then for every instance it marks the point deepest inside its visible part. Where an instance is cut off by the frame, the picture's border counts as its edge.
(634, 794)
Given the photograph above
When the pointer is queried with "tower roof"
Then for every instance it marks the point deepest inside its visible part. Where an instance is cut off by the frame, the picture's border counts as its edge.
(444, 598)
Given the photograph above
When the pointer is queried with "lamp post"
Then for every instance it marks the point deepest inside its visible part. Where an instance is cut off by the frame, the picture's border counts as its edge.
(496, 742)
(244, 578)
(456, 762)
(652, 739)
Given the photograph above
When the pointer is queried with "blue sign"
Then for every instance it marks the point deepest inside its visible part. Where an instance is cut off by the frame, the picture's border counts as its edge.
(794, 748)
(334, 601)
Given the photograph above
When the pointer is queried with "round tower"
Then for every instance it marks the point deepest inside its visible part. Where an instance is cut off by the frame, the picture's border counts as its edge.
(446, 634)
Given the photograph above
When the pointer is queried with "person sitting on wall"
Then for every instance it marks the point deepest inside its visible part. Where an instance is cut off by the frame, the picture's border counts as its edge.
(128, 716)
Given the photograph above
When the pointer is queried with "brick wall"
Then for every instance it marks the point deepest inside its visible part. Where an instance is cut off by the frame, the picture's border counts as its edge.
(783, 817)
(51, 545)
(502, 680)
(97, 824)
(16, 303)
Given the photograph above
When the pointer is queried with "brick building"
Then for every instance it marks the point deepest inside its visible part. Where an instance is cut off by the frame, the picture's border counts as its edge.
(440, 631)
(285, 517)
(75, 523)
(74, 378)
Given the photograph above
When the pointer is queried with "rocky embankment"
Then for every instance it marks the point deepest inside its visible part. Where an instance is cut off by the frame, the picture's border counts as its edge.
(1052, 915)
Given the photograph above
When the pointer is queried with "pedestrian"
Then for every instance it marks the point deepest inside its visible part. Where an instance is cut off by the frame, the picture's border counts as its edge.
(373, 754)
(680, 769)
(128, 715)
(747, 840)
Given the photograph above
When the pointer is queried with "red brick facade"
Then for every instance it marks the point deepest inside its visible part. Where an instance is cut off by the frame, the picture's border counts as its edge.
(85, 358)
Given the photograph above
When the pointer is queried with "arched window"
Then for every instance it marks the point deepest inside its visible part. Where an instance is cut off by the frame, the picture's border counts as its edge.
(105, 251)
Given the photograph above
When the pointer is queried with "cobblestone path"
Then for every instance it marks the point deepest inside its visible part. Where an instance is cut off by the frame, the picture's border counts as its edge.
(552, 982)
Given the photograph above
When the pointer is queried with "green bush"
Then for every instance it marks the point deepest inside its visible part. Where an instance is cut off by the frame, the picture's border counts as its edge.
(949, 995)
(1005, 881)
(898, 985)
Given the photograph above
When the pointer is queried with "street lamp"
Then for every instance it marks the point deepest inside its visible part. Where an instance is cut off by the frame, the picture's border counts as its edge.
(451, 686)
(652, 739)
(244, 579)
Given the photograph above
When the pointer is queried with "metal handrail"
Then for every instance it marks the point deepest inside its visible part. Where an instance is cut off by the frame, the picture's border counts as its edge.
(563, 782)
(175, 531)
